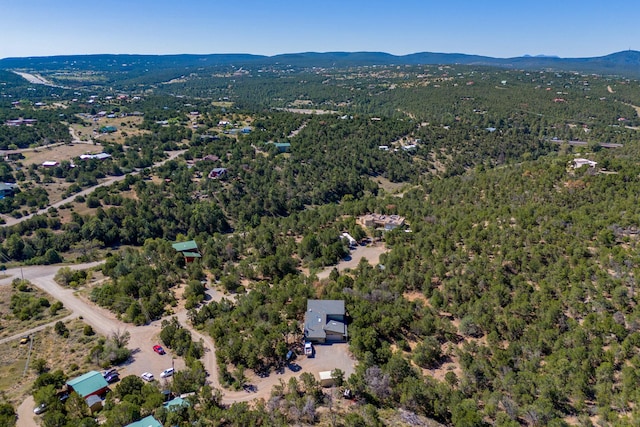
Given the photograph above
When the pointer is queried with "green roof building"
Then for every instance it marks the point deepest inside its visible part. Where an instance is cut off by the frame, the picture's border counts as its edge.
(89, 384)
(146, 422)
(176, 404)
(108, 129)
(185, 246)
(281, 146)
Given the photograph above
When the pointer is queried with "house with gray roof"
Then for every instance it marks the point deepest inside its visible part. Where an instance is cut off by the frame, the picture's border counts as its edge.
(325, 321)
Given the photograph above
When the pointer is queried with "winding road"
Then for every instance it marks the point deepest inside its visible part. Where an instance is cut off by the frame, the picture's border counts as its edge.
(144, 337)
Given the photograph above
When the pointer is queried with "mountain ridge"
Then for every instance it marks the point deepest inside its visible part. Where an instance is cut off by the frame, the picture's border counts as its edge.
(618, 63)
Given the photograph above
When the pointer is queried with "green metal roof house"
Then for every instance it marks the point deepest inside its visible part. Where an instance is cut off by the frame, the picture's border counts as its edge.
(189, 250)
(108, 129)
(91, 383)
(176, 404)
(185, 246)
(146, 422)
(281, 146)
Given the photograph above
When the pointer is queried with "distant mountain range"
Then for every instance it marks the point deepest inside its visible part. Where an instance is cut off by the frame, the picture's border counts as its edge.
(626, 63)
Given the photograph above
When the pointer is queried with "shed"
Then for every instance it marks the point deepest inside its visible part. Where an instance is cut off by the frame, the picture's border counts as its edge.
(94, 403)
(91, 383)
(50, 164)
(326, 379)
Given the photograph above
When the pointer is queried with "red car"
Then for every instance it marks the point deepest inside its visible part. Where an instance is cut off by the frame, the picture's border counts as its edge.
(158, 349)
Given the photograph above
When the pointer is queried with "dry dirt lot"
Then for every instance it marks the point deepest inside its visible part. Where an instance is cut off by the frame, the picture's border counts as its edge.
(59, 153)
(370, 252)
(85, 130)
(58, 352)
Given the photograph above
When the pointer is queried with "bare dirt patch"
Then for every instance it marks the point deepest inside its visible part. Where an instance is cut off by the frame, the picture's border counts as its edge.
(58, 352)
(58, 153)
(388, 186)
(370, 252)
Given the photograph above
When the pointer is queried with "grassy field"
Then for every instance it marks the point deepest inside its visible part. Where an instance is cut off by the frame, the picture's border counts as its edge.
(68, 354)
(11, 325)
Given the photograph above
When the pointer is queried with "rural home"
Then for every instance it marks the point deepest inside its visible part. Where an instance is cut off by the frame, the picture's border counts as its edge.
(388, 222)
(217, 173)
(325, 321)
(21, 121)
(7, 189)
(578, 163)
(189, 250)
(108, 129)
(99, 156)
(50, 164)
(176, 404)
(282, 147)
(146, 422)
(90, 384)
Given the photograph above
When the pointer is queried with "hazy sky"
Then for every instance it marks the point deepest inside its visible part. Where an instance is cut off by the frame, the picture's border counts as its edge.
(499, 28)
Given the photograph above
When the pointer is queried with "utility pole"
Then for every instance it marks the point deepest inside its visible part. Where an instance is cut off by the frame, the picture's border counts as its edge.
(26, 366)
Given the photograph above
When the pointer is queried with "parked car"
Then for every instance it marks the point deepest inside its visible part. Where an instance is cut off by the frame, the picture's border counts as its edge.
(108, 372)
(158, 349)
(112, 377)
(308, 349)
(40, 409)
(147, 376)
(166, 373)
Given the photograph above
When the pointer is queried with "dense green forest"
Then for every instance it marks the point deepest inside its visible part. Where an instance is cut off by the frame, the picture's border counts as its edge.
(509, 299)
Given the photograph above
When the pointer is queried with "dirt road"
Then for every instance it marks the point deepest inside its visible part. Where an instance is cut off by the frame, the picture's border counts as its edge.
(13, 221)
(328, 357)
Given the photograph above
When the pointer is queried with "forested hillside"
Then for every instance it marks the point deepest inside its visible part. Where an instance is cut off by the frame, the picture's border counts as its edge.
(508, 297)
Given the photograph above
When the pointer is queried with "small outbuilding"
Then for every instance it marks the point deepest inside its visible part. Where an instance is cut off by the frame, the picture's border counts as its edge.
(326, 378)
(94, 403)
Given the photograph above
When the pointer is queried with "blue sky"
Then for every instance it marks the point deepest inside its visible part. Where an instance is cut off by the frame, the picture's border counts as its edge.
(499, 28)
